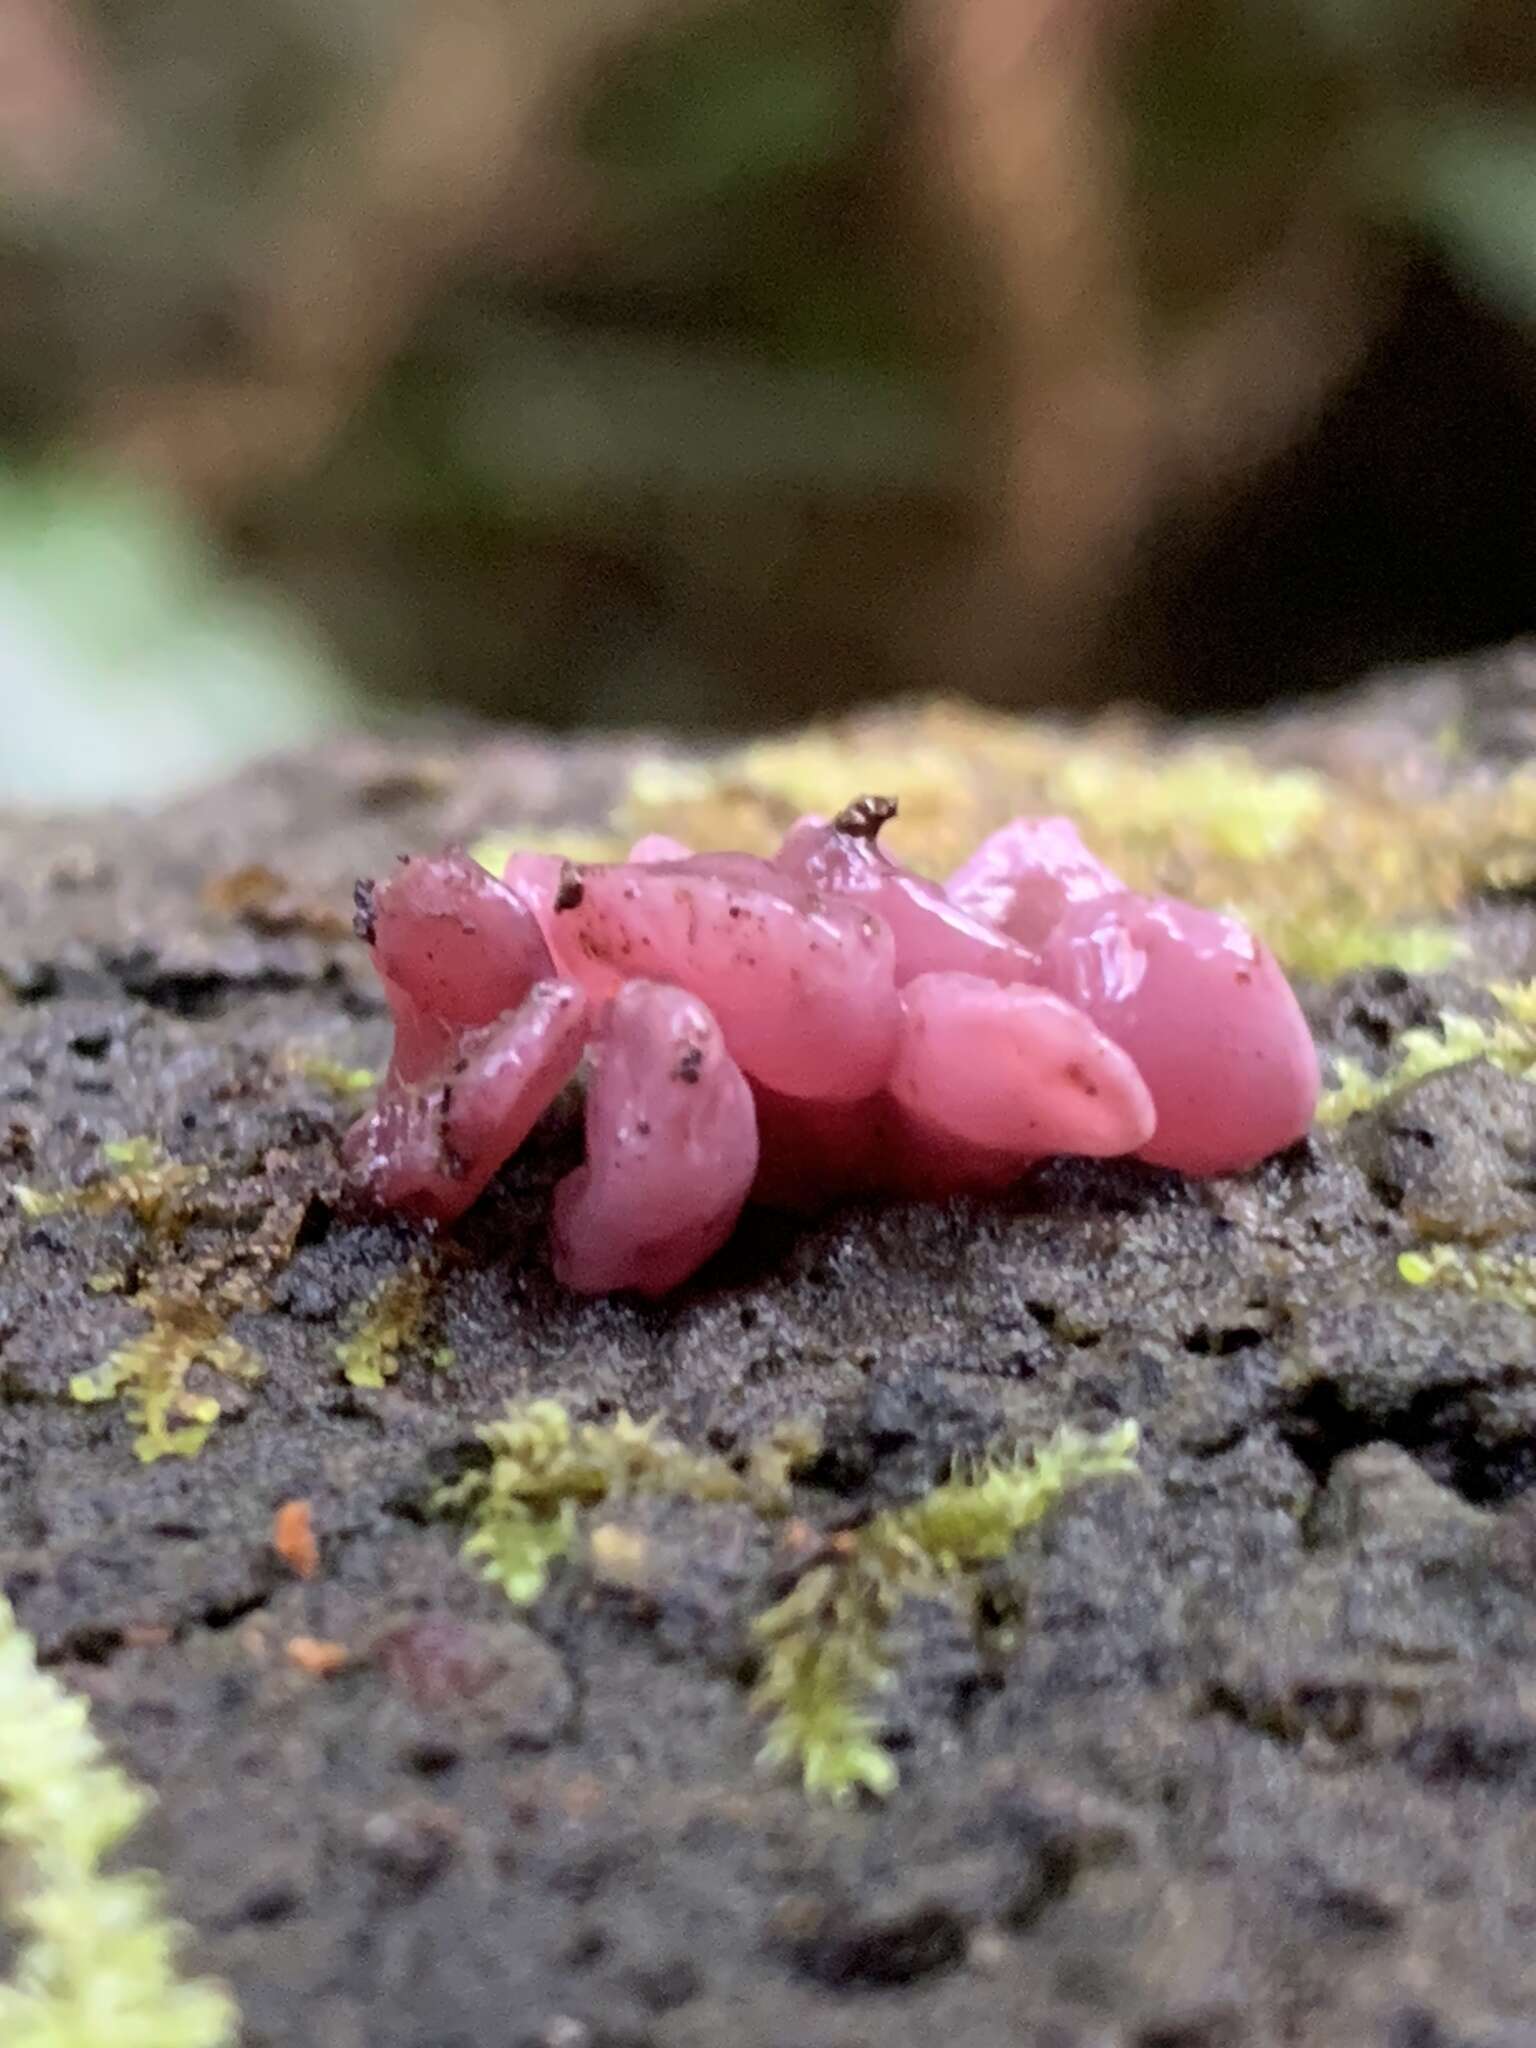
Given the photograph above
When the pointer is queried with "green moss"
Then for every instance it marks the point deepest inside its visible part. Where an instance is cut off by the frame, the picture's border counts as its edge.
(497, 848)
(1219, 796)
(1321, 948)
(544, 1468)
(1507, 1277)
(146, 1183)
(388, 1325)
(187, 1317)
(96, 1967)
(974, 1517)
(324, 1072)
(188, 1301)
(136, 1155)
(150, 1373)
(950, 766)
(825, 1646)
(824, 1658)
(1517, 999)
(1507, 1042)
(1367, 864)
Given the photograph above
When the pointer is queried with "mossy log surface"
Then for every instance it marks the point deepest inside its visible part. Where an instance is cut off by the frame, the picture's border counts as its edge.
(1245, 1752)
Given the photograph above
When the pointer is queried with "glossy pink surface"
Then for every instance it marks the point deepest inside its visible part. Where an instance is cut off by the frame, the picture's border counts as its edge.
(1016, 1069)
(431, 1144)
(804, 1029)
(671, 1148)
(453, 948)
(932, 933)
(1203, 1009)
(1026, 874)
(654, 846)
(803, 986)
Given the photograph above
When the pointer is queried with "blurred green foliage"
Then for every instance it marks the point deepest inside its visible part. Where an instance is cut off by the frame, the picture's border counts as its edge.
(1467, 176)
(128, 663)
(735, 105)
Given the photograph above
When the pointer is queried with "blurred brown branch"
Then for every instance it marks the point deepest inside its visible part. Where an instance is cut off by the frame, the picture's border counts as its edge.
(1107, 425)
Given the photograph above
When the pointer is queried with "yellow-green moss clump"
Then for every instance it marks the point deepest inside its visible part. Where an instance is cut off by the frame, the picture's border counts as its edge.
(824, 1647)
(496, 848)
(150, 1372)
(1517, 999)
(389, 1325)
(324, 1072)
(1507, 1277)
(96, 1967)
(144, 1182)
(1366, 864)
(1319, 947)
(545, 1468)
(188, 1301)
(825, 1652)
(1507, 1041)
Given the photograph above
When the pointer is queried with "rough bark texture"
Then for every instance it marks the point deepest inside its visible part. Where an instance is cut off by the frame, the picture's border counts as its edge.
(1255, 1762)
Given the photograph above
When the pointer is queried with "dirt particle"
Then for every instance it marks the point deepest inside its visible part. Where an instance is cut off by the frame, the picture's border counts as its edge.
(690, 1065)
(863, 818)
(437, 1659)
(414, 1845)
(315, 1657)
(293, 1538)
(364, 911)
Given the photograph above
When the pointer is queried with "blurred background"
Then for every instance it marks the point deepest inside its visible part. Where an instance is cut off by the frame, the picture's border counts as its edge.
(711, 364)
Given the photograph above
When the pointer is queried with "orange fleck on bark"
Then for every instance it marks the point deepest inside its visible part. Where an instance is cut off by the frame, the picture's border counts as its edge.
(315, 1657)
(293, 1538)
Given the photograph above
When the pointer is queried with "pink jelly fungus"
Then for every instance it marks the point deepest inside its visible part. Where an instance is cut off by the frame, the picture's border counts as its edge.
(803, 986)
(654, 846)
(1208, 1017)
(1017, 1069)
(462, 946)
(433, 1142)
(453, 948)
(671, 1148)
(932, 933)
(1025, 875)
(796, 1031)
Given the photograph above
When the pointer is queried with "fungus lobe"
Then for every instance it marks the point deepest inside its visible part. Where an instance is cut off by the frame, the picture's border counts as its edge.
(671, 1148)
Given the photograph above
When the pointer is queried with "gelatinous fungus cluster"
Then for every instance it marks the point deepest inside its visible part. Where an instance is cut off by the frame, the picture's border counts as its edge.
(818, 1024)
